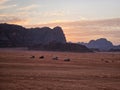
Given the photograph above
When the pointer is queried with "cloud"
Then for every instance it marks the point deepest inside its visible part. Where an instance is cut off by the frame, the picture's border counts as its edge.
(13, 20)
(7, 6)
(3, 1)
(91, 23)
(53, 14)
(4, 5)
(26, 8)
(86, 30)
(87, 24)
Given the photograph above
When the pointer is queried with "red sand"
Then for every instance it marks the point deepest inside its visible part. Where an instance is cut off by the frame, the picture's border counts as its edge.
(85, 71)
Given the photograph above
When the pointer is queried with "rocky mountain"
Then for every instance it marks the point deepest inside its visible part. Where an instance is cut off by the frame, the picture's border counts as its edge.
(115, 49)
(37, 39)
(15, 35)
(101, 44)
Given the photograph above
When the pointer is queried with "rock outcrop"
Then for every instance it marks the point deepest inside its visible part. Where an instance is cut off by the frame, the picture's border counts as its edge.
(69, 47)
(101, 44)
(15, 35)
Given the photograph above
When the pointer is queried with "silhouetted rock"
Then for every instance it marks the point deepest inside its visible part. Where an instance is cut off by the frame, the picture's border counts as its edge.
(101, 44)
(41, 57)
(15, 35)
(53, 46)
(32, 57)
(55, 58)
(114, 50)
(11, 35)
(67, 60)
(106, 61)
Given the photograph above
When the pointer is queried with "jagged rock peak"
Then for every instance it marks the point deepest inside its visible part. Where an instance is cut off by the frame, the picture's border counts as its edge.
(57, 28)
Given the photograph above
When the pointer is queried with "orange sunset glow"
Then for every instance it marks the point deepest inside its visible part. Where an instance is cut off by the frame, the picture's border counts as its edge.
(81, 20)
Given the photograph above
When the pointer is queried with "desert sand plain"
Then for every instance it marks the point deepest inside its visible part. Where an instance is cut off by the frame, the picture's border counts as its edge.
(84, 71)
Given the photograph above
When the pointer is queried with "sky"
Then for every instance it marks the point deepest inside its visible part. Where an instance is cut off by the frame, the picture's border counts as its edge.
(81, 20)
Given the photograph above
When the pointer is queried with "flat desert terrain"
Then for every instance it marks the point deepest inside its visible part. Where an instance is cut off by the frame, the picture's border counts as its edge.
(84, 71)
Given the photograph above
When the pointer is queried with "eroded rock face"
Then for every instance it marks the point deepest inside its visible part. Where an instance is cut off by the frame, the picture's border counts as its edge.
(14, 35)
(59, 35)
(102, 44)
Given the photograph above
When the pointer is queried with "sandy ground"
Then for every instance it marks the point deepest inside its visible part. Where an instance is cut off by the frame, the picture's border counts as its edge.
(85, 71)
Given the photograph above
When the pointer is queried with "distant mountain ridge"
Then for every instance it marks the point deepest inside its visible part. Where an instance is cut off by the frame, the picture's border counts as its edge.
(15, 35)
(101, 44)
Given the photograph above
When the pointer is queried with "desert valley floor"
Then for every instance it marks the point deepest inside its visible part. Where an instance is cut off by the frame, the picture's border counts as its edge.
(84, 71)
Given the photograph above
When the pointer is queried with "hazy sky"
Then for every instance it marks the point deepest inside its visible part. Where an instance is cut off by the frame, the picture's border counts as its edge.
(81, 20)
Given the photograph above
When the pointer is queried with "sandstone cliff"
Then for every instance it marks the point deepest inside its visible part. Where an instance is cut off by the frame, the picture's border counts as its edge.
(15, 35)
